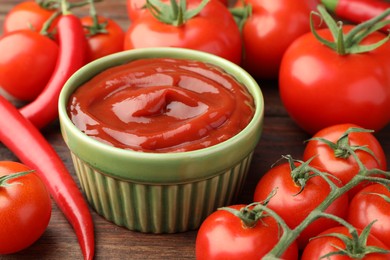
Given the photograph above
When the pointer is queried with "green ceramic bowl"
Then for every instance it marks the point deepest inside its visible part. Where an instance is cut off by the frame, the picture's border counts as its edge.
(160, 192)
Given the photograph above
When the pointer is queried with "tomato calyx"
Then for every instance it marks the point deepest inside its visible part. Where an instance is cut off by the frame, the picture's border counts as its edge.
(252, 213)
(175, 13)
(355, 245)
(300, 173)
(96, 27)
(241, 13)
(48, 4)
(350, 43)
(342, 148)
(4, 179)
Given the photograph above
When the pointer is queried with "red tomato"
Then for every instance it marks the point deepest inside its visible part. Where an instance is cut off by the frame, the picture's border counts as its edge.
(321, 246)
(27, 61)
(345, 169)
(271, 28)
(213, 30)
(25, 208)
(136, 7)
(320, 88)
(223, 236)
(293, 206)
(103, 43)
(27, 15)
(369, 205)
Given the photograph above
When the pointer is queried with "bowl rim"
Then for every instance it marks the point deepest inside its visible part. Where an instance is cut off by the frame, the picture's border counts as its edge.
(94, 67)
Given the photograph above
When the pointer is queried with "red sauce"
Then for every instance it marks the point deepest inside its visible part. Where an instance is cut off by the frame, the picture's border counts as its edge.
(161, 105)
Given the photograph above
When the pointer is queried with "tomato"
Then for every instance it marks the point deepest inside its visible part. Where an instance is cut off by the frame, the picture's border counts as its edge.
(271, 28)
(321, 246)
(27, 61)
(369, 205)
(28, 15)
(212, 30)
(107, 41)
(294, 206)
(320, 88)
(25, 208)
(223, 235)
(344, 169)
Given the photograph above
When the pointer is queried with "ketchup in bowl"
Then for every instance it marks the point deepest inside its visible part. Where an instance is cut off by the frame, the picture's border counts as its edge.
(161, 105)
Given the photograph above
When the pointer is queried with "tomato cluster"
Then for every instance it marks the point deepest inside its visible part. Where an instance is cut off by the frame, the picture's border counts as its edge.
(341, 187)
(29, 45)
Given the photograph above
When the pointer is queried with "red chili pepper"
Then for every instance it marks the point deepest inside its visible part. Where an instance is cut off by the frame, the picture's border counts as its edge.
(73, 49)
(357, 11)
(31, 147)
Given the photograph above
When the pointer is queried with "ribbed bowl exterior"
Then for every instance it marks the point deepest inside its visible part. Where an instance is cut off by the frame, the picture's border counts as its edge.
(154, 208)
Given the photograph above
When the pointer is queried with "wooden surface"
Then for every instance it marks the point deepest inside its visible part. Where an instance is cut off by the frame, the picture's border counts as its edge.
(280, 136)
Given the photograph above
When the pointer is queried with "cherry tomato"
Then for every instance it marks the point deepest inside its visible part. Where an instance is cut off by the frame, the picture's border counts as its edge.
(28, 15)
(27, 61)
(213, 30)
(294, 205)
(344, 169)
(320, 87)
(107, 41)
(271, 28)
(135, 7)
(368, 205)
(223, 236)
(25, 208)
(321, 246)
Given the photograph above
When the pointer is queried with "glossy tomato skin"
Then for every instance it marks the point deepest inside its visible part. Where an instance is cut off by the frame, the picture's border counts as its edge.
(134, 8)
(320, 88)
(25, 209)
(222, 236)
(27, 61)
(28, 15)
(213, 30)
(366, 207)
(345, 169)
(103, 44)
(294, 207)
(321, 246)
(268, 32)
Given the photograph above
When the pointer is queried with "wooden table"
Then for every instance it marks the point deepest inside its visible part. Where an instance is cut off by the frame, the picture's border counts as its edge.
(280, 136)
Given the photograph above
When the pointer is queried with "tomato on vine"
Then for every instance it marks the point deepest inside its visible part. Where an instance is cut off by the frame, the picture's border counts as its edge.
(30, 15)
(338, 243)
(239, 232)
(205, 25)
(269, 29)
(298, 192)
(324, 82)
(104, 35)
(25, 207)
(372, 204)
(331, 149)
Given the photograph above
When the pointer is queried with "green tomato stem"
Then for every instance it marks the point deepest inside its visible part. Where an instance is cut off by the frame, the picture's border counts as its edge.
(349, 43)
(175, 13)
(4, 179)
